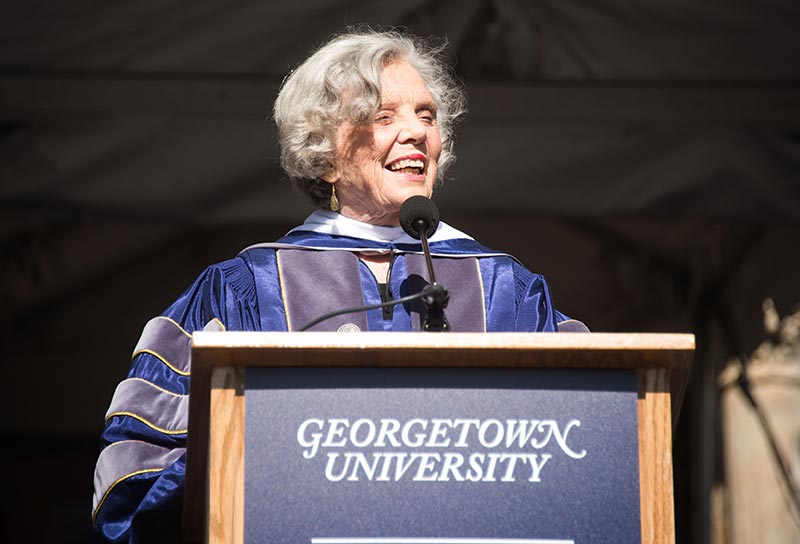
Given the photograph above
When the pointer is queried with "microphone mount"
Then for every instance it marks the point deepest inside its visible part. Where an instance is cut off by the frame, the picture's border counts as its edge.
(434, 296)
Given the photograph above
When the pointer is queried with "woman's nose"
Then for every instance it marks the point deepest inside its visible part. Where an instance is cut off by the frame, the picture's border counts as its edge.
(413, 129)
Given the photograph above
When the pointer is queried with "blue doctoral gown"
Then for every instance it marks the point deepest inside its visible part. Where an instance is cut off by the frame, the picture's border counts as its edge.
(140, 471)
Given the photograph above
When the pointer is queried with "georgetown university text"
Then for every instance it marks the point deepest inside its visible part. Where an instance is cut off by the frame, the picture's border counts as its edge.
(435, 449)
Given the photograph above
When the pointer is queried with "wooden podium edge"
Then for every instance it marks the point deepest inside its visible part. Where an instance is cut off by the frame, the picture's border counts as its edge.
(662, 382)
(225, 498)
(656, 495)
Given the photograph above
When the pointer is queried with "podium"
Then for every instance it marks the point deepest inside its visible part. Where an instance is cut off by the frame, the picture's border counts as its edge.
(430, 426)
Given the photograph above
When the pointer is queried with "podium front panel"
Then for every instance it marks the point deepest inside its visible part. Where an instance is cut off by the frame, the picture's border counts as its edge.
(427, 455)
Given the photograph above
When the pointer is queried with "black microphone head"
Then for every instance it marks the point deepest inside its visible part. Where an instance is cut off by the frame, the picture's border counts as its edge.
(419, 213)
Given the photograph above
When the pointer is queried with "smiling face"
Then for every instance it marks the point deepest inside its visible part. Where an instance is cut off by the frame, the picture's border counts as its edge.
(391, 157)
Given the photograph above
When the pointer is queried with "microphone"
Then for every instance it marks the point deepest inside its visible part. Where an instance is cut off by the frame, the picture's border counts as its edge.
(419, 213)
(419, 218)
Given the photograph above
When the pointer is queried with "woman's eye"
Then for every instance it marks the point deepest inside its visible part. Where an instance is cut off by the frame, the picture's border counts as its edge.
(382, 118)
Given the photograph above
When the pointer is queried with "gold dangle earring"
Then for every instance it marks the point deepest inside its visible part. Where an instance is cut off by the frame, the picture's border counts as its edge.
(334, 200)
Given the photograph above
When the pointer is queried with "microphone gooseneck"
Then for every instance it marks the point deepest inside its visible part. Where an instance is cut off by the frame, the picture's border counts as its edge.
(419, 218)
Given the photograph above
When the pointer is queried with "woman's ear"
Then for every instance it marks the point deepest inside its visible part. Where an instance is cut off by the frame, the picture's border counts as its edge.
(331, 175)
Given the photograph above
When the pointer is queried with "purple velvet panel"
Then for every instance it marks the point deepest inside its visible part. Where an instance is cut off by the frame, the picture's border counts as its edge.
(157, 408)
(572, 325)
(318, 282)
(123, 459)
(461, 278)
(166, 340)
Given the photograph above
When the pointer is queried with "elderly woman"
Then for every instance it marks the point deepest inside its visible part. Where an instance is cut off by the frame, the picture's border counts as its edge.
(365, 123)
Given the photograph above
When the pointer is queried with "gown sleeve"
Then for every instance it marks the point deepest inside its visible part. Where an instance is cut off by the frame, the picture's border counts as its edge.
(516, 299)
(535, 310)
(138, 481)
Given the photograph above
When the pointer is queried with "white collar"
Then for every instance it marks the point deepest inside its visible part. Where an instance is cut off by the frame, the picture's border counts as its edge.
(328, 222)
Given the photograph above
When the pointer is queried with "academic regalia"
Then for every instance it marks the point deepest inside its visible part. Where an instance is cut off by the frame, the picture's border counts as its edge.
(281, 286)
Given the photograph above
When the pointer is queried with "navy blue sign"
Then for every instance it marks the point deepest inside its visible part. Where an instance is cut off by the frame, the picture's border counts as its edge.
(441, 456)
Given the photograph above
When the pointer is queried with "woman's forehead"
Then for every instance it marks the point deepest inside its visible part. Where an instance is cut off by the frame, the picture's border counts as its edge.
(401, 82)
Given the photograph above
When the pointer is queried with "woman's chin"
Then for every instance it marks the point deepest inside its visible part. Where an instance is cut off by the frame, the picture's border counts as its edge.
(419, 185)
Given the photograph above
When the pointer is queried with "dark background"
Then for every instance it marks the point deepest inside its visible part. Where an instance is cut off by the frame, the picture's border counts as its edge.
(642, 155)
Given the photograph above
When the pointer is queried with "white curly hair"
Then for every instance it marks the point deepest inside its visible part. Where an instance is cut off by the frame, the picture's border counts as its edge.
(340, 82)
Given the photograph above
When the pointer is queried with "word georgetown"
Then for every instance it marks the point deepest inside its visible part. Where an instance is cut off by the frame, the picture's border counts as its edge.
(478, 450)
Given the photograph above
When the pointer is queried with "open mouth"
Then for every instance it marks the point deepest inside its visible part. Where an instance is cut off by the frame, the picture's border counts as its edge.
(408, 165)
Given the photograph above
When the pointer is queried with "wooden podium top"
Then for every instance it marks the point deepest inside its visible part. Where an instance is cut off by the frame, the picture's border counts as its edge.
(424, 340)
(391, 349)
